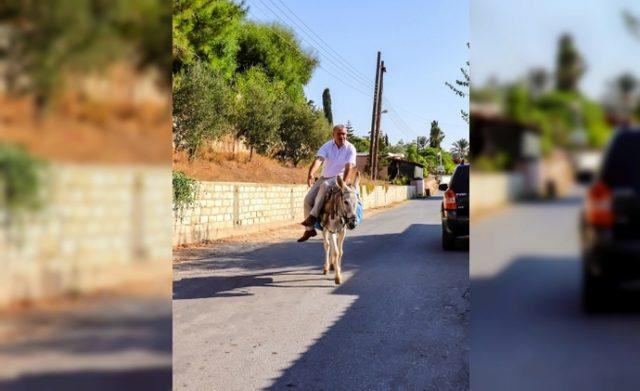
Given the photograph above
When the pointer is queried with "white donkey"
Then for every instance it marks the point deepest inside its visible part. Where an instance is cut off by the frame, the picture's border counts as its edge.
(338, 213)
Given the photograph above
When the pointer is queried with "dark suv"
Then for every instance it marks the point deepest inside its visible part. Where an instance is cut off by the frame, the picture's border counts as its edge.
(455, 207)
(610, 221)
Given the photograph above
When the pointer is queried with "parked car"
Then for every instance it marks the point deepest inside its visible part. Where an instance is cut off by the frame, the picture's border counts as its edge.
(455, 207)
(610, 221)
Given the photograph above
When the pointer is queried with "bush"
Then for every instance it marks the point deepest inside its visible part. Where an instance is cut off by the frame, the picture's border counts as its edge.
(184, 190)
(401, 181)
(500, 162)
(20, 182)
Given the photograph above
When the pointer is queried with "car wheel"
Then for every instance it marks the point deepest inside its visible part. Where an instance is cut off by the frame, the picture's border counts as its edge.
(447, 240)
(595, 292)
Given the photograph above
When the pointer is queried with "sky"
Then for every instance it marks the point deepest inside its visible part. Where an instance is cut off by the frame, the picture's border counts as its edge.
(423, 44)
(511, 37)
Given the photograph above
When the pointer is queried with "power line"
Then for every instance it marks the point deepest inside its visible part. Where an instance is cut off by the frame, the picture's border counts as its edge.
(398, 118)
(320, 50)
(324, 47)
(366, 78)
(359, 90)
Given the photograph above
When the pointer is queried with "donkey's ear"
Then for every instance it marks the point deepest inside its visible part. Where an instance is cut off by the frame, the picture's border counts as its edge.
(356, 183)
(340, 181)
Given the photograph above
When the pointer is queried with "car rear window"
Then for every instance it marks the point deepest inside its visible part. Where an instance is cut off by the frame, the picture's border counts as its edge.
(460, 179)
(622, 161)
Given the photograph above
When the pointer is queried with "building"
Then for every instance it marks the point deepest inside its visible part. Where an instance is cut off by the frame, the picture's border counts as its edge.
(397, 166)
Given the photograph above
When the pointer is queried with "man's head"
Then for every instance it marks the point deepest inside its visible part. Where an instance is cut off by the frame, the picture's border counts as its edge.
(340, 134)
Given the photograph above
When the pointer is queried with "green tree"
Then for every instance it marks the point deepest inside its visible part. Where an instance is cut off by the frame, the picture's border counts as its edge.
(538, 80)
(350, 130)
(259, 107)
(460, 148)
(569, 65)
(206, 31)
(517, 105)
(49, 42)
(326, 105)
(276, 50)
(201, 107)
(397, 148)
(435, 135)
(422, 142)
(302, 132)
(361, 143)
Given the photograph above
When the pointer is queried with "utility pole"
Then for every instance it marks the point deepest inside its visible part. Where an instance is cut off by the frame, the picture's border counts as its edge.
(374, 115)
(378, 117)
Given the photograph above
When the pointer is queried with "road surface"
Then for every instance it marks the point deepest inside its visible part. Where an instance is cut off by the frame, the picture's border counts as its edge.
(100, 343)
(528, 330)
(266, 318)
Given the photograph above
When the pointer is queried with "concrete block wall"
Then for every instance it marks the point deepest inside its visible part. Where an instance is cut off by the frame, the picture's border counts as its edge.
(95, 222)
(493, 190)
(224, 209)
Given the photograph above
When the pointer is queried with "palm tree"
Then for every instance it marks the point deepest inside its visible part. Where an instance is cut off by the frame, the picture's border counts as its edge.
(435, 135)
(460, 148)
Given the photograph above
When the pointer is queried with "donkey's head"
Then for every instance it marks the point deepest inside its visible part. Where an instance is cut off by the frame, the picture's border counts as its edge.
(347, 208)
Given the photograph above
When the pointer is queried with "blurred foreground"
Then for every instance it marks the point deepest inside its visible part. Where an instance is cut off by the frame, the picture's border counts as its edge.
(529, 330)
(547, 97)
(85, 215)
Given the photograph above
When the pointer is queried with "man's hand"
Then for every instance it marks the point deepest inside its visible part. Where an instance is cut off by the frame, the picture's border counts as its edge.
(316, 164)
(347, 172)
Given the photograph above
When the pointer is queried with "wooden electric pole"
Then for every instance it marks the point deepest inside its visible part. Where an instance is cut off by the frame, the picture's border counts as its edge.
(378, 117)
(374, 114)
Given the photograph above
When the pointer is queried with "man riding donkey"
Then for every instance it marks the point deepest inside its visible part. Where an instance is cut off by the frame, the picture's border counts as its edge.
(339, 158)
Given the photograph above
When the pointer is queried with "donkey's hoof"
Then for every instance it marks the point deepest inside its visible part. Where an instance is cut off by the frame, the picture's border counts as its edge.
(337, 280)
(325, 271)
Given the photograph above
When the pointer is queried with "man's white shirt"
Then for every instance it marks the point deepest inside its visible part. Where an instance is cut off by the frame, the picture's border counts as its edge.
(336, 158)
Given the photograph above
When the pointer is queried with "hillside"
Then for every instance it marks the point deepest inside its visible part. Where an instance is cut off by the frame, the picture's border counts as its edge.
(223, 167)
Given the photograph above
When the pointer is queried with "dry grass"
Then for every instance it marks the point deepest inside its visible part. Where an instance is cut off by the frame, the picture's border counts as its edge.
(88, 132)
(226, 167)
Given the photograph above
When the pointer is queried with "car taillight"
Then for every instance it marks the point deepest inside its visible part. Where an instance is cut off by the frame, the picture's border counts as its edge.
(450, 200)
(598, 206)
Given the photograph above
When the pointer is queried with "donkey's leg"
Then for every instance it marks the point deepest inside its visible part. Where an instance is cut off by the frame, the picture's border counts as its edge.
(327, 251)
(334, 257)
(341, 235)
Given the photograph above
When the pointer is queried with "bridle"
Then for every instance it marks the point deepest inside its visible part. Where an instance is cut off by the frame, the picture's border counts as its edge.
(336, 202)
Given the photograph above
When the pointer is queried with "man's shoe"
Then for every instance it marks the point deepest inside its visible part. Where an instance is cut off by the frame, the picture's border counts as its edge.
(307, 235)
(309, 221)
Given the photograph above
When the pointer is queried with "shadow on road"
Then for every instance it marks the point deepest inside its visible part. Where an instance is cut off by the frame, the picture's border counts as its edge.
(529, 331)
(81, 337)
(141, 379)
(408, 325)
(406, 330)
(563, 202)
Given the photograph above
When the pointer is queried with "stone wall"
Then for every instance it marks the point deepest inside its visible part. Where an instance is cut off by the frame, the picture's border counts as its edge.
(493, 190)
(95, 223)
(225, 209)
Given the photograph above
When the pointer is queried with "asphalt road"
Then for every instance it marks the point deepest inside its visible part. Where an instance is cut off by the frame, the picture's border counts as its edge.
(101, 343)
(266, 318)
(528, 330)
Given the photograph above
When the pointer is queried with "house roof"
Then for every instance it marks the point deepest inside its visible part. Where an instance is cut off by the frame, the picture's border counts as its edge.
(403, 161)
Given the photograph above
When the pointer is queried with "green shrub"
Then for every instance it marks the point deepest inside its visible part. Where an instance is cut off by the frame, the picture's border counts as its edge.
(401, 180)
(184, 190)
(20, 180)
